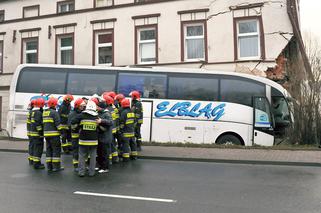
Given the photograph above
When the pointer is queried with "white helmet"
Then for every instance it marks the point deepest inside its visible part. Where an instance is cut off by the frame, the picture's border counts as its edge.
(91, 108)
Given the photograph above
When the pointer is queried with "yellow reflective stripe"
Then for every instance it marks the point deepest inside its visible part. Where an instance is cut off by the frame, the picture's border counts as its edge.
(140, 121)
(28, 122)
(48, 160)
(128, 135)
(130, 121)
(64, 144)
(84, 122)
(39, 128)
(114, 130)
(36, 159)
(56, 160)
(48, 134)
(115, 154)
(33, 121)
(74, 135)
(88, 142)
(34, 134)
(134, 153)
(125, 155)
(75, 161)
(64, 115)
(30, 157)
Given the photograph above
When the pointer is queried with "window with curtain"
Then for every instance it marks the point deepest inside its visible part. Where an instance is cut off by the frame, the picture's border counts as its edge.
(66, 50)
(147, 45)
(104, 48)
(104, 3)
(1, 56)
(194, 41)
(248, 37)
(66, 6)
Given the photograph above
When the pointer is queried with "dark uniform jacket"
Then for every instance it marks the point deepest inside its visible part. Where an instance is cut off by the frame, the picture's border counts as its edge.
(36, 129)
(73, 114)
(88, 134)
(51, 123)
(64, 111)
(127, 123)
(105, 127)
(137, 108)
(29, 121)
(113, 113)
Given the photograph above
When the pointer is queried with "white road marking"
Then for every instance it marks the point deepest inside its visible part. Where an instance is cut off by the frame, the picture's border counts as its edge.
(126, 197)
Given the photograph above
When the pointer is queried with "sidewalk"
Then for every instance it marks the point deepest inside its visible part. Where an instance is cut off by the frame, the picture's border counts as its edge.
(219, 155)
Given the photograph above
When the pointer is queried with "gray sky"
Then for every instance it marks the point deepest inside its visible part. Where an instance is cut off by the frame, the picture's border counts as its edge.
(310, 11)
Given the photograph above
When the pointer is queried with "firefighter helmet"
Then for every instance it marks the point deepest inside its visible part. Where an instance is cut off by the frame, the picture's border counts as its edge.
(40, 102)
(135, 95)
(95, 100)
(125, 103)
(79, 102)
(52, 102)
(112, 94)
(109, 100)
(119, 97)
(68, 98)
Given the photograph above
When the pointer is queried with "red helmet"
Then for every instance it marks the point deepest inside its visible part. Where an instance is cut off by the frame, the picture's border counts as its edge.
(125, 103)
(69, 98)
(109, 100)
(95, 100)
(119, 97)
(79, 102)
(112, 94)
(40, 102)
(52, 102)
(135, 95)
(33, 102)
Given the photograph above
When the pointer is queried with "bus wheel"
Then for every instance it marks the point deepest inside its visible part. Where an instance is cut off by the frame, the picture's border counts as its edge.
(228, 140)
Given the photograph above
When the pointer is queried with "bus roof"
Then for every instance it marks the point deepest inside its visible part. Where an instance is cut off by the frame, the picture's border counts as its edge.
(163, 69)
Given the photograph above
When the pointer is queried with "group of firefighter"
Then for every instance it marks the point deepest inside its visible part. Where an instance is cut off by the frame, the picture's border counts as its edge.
(99, 131)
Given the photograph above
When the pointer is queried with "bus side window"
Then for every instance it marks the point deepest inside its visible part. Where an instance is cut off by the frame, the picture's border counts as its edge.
(149, 85)
(193, 88)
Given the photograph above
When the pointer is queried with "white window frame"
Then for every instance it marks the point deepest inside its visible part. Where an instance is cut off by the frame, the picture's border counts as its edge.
(107, 3)
(60, 48)
(97, 45)
(150, 41)
(191, 38)
(258, 34)
(26, 52)
(1, 56)
(68, 6)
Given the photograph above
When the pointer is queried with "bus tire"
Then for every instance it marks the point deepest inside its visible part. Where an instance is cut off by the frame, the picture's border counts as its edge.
(228, 139)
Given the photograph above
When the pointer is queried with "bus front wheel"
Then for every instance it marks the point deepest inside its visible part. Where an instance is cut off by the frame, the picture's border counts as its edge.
(228, 140)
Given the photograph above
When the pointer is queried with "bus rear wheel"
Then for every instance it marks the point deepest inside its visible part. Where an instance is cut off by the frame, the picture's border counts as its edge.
(228, 140)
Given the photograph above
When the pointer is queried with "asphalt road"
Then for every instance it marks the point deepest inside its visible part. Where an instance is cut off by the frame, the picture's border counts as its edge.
(184, 186)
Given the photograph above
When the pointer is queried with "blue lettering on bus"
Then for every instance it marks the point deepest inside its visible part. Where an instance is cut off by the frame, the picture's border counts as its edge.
(189, 110)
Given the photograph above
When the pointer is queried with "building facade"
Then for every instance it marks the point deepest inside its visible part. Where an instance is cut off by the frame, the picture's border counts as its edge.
(230, 35)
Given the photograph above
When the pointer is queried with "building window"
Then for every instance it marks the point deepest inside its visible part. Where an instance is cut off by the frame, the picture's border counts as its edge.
(31, 11)
(30, 50)
(104, 48)
(194, 42)
(1, 56)
(103, 3)
(248, 39)
(65, 6)
(147, 45)
(1, 15)
(65, 49)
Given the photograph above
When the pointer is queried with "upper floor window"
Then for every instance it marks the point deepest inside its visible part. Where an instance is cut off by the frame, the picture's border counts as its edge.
(194, 41)
(65, 49)
(147, 42)
(31, 11)
(30, 50)
(103, 3)
(65, 6)
(104, 48)
(1, 15)
(1, 56)
(248, 39)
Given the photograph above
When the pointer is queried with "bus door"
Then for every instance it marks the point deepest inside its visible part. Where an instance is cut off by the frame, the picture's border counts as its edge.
(263, 133)
(146, 129)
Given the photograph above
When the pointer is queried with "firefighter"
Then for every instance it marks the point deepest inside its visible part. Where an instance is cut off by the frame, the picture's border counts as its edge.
(79, 106)
(64, 111)
(87, 121)
(104, 137)
(36, 133)
(117, 100)
(127, 131)
(108, 97)
(51, 127)
(30, 147)
(137, 108)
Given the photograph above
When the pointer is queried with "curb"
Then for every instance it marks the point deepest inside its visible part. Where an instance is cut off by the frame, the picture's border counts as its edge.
(248, 162)
(206, 160)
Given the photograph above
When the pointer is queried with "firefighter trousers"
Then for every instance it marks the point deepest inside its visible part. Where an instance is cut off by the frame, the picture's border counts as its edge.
(53, 152)
(75, 151)
(84, 152)
(37, 150)
(125, 147)
(114, 149)
(30, 150)
(138, 135)
(66, 140)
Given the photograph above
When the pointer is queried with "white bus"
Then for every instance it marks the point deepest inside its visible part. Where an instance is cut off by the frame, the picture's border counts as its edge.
(180, 105)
